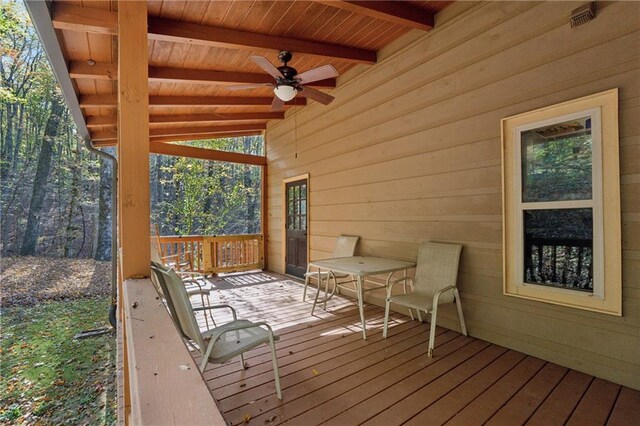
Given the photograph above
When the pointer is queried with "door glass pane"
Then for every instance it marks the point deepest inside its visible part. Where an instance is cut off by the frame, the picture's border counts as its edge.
(558, 248)
(556, 162)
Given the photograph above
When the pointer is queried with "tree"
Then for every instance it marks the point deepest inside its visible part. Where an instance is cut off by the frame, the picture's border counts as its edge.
(103, 249)
(42, 175)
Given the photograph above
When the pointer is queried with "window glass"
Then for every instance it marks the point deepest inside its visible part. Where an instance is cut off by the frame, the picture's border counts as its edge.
(556, 162)
(558, 248)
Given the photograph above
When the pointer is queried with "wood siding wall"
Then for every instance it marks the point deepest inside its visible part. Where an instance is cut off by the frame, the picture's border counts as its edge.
(410, 151)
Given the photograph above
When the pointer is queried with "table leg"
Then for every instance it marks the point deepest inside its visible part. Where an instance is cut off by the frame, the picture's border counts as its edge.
(360, 296)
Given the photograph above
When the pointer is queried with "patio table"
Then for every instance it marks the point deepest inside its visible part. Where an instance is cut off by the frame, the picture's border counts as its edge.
(361, 267)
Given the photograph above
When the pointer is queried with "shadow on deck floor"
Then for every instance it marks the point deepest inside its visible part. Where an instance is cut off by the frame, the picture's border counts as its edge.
(330, 375)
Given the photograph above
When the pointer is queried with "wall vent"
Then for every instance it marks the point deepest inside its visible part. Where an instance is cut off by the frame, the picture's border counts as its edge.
(583, 14)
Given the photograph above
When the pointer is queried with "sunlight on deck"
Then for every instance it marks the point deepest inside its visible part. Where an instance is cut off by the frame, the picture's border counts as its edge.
(330, 375)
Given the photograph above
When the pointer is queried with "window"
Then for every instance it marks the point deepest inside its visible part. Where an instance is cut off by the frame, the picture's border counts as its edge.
(562, 204)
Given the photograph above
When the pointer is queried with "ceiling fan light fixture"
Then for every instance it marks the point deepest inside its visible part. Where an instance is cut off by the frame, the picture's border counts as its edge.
(286, 93)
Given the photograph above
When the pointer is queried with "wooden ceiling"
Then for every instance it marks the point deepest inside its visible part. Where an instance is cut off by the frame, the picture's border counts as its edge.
(198, 48)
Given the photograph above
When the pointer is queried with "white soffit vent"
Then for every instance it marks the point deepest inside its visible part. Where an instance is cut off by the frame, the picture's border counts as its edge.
(583, 14)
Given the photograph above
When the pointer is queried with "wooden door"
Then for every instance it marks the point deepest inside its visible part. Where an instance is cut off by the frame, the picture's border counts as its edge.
(296, 227)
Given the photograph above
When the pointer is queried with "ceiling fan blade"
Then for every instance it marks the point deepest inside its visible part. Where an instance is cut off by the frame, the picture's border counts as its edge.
(277, 105)
(321, 73)
(267, 66)
(250, 86)
(317, 95)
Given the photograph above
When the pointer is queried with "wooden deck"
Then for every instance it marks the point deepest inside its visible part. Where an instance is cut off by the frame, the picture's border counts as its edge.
(330, 375)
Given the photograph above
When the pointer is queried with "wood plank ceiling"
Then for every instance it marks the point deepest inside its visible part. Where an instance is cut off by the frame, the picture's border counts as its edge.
(198, 48)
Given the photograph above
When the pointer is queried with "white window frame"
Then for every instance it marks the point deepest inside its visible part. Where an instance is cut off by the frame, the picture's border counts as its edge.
(605, 204)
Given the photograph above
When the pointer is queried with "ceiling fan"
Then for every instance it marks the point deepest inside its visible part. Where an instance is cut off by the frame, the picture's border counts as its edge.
(288, 82)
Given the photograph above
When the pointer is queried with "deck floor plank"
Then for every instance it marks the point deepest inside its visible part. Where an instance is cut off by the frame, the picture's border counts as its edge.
(528, 399)
(330, 375)
(596, 404)
(448, 406)
(317, 404)
(397, 392)
(627, 408)
(305, 365)
(559, 405)
(412, 404)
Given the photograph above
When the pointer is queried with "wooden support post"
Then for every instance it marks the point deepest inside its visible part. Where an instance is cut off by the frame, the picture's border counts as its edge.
(133, 157)
(264, 212)
(133, 138)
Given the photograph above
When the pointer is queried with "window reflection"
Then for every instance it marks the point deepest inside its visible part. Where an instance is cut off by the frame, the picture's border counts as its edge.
(556, 162)
(558, 248)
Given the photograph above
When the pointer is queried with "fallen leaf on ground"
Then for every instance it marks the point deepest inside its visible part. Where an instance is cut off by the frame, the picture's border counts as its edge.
(315, 372)
(246, 418)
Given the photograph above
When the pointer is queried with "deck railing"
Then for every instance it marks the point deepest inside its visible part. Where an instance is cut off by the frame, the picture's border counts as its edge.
(233, 253)
(566, 262)
(186, 247)
(214, 254)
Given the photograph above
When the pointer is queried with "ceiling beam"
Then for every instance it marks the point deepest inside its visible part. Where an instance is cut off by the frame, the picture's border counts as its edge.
(103, 21)
(77, 18)
(203, 35)
(254, 128)
(191, 76)
(111, 120)
(206, 154)
(396, 12)
(94, 101)
(107, 71)
(200, 136)
(112, 141)
(214, 117)
(164, 148)
(98, 71)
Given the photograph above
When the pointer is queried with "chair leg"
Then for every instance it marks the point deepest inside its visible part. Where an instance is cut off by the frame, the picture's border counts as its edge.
(206, 321)
(210, 311)
(463, 326)
(306, 284)
(386, 318)
(242, 361)
(326, 289)
(315, 301)
(432, 331)
(276, 373)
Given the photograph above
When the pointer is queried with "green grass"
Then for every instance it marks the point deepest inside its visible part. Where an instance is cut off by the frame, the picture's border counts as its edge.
(47, 377)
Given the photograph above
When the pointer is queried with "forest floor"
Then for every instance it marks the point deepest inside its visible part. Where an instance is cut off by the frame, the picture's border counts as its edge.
(47, 376)
(29, 280)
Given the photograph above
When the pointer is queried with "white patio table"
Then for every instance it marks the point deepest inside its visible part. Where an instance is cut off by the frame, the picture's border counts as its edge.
(361, 267)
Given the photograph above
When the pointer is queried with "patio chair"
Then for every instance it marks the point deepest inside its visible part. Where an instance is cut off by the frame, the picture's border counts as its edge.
(345, 247)
(433, 285)
(178, 261)
(219, 344)
(192, 286)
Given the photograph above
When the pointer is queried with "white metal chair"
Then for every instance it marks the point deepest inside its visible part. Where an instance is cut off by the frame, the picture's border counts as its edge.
(433, 285)
(345, 247)
(192, 285)
(218, 344)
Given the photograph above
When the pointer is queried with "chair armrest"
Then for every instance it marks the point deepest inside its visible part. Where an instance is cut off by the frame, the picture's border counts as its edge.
(214, 339)
(436, 296)
(206, 308)
(394, 282)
